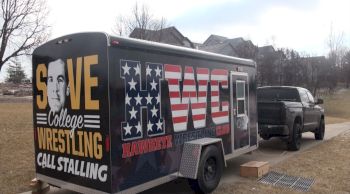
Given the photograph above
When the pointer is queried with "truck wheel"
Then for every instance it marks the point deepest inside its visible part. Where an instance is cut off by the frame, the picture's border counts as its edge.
(319, 133)
(295, 139)
(209, 171)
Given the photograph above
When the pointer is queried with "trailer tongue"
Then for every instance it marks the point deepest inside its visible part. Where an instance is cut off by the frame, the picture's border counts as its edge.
(118, 115)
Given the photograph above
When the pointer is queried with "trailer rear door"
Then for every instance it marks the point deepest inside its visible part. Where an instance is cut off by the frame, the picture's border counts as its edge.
(71, 112)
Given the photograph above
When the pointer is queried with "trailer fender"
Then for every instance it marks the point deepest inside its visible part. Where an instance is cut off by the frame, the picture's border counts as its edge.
(191, 155)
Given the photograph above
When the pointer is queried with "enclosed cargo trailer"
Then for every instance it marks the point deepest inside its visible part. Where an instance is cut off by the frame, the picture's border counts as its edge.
(120, 115)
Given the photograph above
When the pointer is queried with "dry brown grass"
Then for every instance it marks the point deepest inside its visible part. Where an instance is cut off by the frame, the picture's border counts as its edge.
(338, 105)
(16, 147)
(327, 163)
(332, 120)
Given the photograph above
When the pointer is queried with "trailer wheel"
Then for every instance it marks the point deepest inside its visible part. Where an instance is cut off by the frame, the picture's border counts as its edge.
(209, 170)
(295, 141)
(319, 133)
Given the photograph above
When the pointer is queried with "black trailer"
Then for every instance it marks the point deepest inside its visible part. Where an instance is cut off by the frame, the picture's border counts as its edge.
(119, 115)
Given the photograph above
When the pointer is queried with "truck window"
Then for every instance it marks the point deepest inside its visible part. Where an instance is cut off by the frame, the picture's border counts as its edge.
(278, 94)
(303, 96)
(311, 98)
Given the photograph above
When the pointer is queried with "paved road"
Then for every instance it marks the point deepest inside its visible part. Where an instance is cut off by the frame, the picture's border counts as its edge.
(273, 151)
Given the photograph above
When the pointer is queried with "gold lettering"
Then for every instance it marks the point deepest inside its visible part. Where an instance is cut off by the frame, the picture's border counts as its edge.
(88, 145)
(83, 143)
(41, 100)
(41, 138)
(61, 147)
(54, 140)
(74, 151)
(48, 139)
(67, 140)
(75, 84)
(98, 146)
(90, 82)
(80, 134)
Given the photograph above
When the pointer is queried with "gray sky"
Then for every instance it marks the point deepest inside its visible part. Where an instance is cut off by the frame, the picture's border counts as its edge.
(303, 25)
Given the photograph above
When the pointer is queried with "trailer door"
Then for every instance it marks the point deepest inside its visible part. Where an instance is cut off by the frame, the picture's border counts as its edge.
(71, 112)
(240, 130)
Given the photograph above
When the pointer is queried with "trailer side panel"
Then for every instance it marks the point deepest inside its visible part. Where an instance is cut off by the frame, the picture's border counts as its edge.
(161, 99)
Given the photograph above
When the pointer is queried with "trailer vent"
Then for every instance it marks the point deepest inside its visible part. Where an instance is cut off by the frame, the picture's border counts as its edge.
(283, 180)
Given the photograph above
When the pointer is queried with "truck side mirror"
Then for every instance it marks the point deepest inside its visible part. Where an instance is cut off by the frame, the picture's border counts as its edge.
(319, 101)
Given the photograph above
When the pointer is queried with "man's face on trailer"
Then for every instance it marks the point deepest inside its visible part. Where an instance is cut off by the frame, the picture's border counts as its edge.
(56, 85)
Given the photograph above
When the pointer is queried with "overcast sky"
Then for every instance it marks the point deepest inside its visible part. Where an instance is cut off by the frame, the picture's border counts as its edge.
(303, 25)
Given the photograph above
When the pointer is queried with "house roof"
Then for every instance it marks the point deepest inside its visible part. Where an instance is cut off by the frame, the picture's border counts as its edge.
(214, 39)
(236, 41)
(223, 45)
(168, 35)
(266, 49)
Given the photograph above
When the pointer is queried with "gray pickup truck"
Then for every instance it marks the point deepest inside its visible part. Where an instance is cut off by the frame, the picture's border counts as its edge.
(287, 112)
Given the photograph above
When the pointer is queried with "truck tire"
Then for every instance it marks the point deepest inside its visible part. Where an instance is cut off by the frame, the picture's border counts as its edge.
(209, 171)
(295, 139)
(319, 133)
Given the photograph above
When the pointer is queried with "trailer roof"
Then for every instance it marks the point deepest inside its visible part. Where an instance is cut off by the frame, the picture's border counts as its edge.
(137, 43)
(118, 41)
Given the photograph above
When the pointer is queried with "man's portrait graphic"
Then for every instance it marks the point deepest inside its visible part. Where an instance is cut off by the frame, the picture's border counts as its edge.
(57, 85)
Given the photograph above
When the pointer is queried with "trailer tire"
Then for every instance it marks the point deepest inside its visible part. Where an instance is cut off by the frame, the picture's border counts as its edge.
(319, 133)
(295, 139)
(209, 170)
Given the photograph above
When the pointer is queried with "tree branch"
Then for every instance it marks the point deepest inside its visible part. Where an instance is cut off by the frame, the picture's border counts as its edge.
(24, 27)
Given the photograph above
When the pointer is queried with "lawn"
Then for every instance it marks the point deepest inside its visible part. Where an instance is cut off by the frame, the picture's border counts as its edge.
(337, 106)
(16, 147)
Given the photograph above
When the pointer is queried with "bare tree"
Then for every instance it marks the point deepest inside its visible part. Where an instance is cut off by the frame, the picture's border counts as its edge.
(15, 72)
(140, 20)
(346, 68)
(337, 50)
(23, 27)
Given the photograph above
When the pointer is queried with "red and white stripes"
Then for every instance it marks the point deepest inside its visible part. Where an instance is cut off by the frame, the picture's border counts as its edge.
(180, 104)
(219, 76)
(195, 97)
(199, 105)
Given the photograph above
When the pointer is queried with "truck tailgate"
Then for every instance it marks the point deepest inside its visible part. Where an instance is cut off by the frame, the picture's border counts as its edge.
(272, 113)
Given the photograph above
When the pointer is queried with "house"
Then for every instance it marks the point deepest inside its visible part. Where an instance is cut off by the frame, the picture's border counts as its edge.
(237, 47)
(168, 35)
(214, 39)
(266, 51)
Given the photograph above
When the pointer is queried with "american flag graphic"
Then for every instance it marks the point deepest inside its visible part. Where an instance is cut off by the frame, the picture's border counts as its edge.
(219, 76)
(137, 99)
(180, 103)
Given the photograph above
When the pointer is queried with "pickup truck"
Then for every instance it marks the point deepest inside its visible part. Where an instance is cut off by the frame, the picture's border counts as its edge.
(287, 112)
